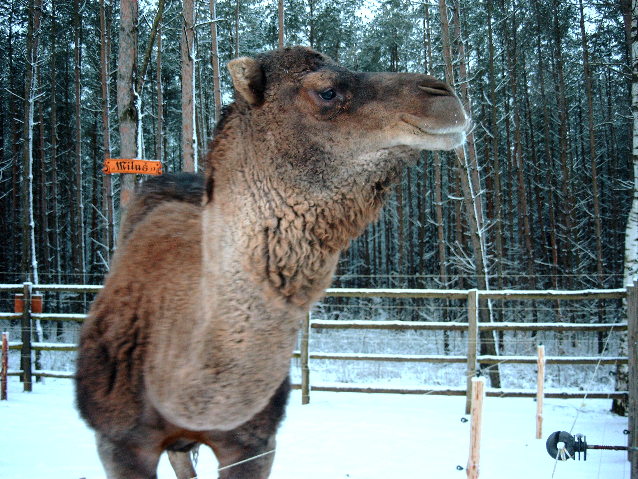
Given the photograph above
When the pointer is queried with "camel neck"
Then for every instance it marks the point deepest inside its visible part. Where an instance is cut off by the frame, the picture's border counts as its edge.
(244, 338)
(278, 246)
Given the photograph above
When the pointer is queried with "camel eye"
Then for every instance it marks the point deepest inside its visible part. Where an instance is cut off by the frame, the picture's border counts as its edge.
(328, 94)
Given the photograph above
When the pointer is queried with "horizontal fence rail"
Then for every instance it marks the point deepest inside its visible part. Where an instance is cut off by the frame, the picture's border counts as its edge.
(472, 327)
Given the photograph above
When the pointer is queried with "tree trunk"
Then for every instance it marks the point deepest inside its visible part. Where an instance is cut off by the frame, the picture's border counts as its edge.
(79, 259)
(189, 136)
(107, 185)
(467, 103)
(470, 187)
(94, 255)
(201, 111)
(594, 172)
(127, 103)
(29, 261)
(566, 171)
(496, 214)
(236, 36)
(631, 233)
(54, 149)
(45, 252)
(159, 132)
(552, 233)
(592, 149)
(214, 59)
(280, 15)
(400, 260)
(523, 209)
(149, 47)
(16, 154)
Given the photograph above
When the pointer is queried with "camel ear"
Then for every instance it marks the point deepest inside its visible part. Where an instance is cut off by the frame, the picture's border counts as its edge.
(248, 79)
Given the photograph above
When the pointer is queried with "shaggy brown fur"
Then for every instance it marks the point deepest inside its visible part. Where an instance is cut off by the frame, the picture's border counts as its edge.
(190, 339)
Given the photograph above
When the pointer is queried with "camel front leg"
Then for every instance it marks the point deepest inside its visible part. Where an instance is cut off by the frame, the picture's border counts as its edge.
(240, 459)
(123, 460)
(248, 451)
(182, 464)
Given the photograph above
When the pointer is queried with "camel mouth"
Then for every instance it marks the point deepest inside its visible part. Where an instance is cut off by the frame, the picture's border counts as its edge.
(458, 124)
(446, 136)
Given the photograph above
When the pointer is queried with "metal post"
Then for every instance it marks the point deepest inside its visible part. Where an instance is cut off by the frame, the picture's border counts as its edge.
(305, 369)
(25, 352)
(472, 344)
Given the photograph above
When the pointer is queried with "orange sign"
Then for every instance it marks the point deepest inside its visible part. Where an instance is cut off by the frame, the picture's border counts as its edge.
(125, 165)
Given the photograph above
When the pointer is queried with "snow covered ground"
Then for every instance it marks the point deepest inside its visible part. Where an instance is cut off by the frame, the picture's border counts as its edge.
(339, 435)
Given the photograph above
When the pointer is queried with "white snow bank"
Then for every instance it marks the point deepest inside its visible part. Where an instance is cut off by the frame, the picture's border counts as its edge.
(338, 435)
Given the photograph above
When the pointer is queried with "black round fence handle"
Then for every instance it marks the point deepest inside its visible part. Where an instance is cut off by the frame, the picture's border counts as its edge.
(567, 452)
(572, 446)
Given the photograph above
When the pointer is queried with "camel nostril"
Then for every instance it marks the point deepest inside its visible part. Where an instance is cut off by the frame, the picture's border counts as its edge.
(442, 91)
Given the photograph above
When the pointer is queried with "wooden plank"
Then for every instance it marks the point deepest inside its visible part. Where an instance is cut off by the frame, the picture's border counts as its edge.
(499, 393)
(486, 359)
(395, 293)
(14, 288)
(35, 346)
(583, 294)
(478, 393)
(592, 294)
(514, 393)
(54, 374)
(433, 358)
(540, 389)
(384, 390)
(60, 317)
(403, 358)
(510, 326)
(69, 288)
(462, 326)
(54, 346)
(389, 325)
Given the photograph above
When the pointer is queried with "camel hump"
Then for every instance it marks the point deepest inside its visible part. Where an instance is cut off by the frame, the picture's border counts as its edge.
(171, 187)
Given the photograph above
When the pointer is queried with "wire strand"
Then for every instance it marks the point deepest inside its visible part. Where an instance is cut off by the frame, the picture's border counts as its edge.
(244, 461)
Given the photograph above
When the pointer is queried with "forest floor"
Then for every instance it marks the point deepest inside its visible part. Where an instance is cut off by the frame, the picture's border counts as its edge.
(339, 435)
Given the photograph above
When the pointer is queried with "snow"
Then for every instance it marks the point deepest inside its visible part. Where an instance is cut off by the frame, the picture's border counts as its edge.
(339, 435)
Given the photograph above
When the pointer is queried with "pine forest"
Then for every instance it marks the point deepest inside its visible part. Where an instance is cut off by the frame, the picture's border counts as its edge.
(539, 199)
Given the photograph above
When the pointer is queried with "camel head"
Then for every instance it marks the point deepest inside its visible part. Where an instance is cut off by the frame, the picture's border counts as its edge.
(322, 123)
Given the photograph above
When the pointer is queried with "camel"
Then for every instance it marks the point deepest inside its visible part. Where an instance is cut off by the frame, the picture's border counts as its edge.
(190, 340)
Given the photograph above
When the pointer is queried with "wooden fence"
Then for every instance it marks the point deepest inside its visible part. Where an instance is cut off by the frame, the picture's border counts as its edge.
(472, 328)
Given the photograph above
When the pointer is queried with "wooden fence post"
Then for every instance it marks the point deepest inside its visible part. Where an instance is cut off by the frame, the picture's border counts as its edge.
(632, 353)
(478, 393)
(305, 369)
(540, 390)
(25, 351)
(472, 345)
(5, 367)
